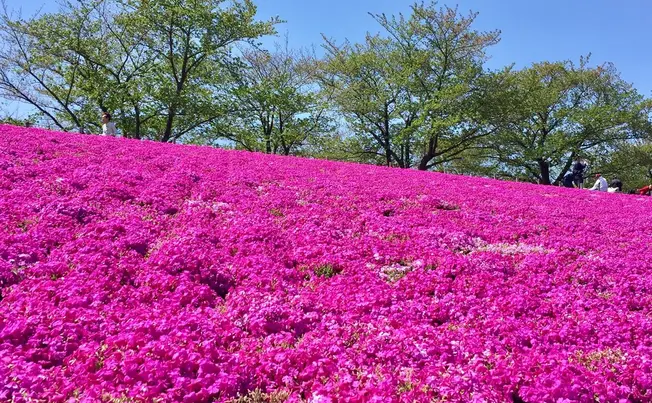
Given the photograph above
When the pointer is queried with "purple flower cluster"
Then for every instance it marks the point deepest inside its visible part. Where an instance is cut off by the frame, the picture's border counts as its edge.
(133, 271)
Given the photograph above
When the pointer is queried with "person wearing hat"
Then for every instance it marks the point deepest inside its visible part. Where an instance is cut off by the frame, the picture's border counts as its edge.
(601, 184)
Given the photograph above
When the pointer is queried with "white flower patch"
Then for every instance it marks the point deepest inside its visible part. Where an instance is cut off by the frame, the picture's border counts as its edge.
(594, 258)
(513, 249)
(394, 272)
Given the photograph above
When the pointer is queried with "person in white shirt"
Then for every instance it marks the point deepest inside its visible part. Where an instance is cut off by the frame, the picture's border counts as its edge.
(600, 183)
(108, 127)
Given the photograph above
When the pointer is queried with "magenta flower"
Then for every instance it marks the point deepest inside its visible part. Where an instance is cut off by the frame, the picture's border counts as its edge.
(139, 271)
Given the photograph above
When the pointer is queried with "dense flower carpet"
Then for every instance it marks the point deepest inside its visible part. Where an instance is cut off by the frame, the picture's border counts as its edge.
(134, 271)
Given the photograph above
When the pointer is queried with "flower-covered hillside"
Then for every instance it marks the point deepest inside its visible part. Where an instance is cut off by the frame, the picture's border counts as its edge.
(139, 271)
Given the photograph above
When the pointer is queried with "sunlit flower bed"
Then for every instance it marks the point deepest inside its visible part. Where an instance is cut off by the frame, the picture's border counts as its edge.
(133, 271)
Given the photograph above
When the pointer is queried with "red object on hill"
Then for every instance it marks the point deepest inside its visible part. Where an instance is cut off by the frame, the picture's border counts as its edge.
(645, 190)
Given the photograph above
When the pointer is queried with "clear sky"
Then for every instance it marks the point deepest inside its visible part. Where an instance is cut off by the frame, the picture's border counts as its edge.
(532, 30)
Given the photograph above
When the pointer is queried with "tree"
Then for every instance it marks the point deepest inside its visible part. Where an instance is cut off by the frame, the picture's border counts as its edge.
(70, 65)
(369, 86)
(280, 107)
(29, 74)
(159, 64)
(560, 111)
(445, 56)
(192, 43)
(420, 88)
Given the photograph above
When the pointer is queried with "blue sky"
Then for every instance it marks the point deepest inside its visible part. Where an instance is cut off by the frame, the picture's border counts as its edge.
(614, 31)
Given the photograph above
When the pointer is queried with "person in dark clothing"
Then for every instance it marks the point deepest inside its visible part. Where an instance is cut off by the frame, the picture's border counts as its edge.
(616, 184)
(579, 168)
(568, 180)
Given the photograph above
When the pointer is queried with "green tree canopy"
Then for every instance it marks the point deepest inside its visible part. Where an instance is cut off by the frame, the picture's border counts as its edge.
(560, 111)
(415, 94)
(157, 65)
(281, 110)
(369, 86)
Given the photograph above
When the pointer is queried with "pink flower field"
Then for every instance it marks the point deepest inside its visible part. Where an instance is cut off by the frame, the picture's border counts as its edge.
(134, 271)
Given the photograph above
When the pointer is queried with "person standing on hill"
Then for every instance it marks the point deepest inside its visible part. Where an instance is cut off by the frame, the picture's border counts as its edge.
(108, 127)
(579, 167)
(600, 183)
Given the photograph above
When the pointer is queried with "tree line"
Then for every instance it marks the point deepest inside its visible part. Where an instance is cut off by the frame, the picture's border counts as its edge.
(415, 94)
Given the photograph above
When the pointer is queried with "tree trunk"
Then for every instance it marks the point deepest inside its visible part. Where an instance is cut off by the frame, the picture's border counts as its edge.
(406, 156)
(167, 135)
(388, 153)
(172, 110)
(567, 165)
(386, 134)
(268, 141)
(423, 164)
(428, 155)
(267, 123)
(137, 125)
(544, 167)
